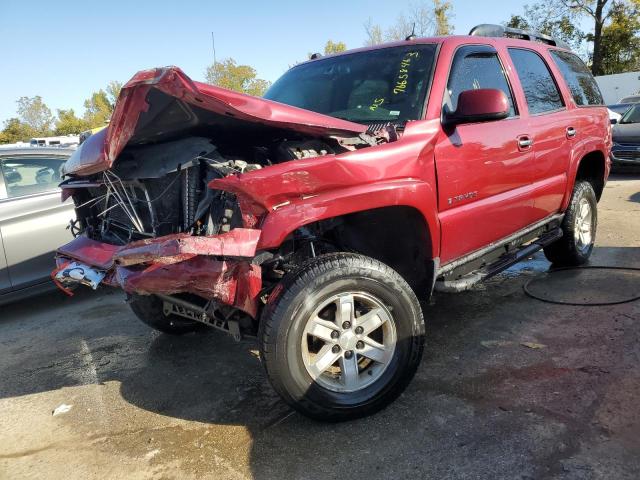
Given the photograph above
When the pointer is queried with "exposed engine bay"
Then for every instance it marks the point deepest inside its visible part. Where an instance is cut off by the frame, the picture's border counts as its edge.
(161, 189)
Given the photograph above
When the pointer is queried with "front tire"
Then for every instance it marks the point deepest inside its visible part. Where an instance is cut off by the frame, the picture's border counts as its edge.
(148, 309)
(578, 227)
(341, 337)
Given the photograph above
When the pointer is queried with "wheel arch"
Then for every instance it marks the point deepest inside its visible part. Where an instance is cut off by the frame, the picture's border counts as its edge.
(593, 168)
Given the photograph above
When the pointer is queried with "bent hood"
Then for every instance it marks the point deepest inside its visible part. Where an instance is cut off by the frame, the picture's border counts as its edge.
(164, 103)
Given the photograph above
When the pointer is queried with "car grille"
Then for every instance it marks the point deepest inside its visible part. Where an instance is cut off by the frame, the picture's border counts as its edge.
(627, 154)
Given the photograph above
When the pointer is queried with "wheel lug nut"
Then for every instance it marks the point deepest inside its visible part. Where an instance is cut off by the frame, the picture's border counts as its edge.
(335, 349)
(348, 354)
(335, 334)
(359, 330)
(346, 325)
(360, 345)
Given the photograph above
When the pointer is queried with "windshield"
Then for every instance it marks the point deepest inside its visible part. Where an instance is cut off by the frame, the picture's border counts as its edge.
(632, 115)
(385, 85)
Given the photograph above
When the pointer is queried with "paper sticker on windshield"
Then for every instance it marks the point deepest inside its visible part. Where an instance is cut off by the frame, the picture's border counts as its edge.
(403, 74)
(394, 112)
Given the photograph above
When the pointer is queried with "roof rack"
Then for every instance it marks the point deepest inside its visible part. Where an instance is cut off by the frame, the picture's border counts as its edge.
(489, 30)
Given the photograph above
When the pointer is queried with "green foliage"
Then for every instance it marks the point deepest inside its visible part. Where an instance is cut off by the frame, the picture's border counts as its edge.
(34, 113)
(621, 39)
(98, 109)
(68, 124)
(240, 78)
(615, 34)
(336, 47)
(15, 131)
(113, 91)
(551, 18)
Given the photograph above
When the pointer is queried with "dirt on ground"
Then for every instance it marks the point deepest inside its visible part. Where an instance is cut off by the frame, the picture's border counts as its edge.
(509, 388)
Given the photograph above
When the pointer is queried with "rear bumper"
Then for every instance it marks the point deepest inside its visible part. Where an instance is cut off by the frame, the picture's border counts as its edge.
(215, 267)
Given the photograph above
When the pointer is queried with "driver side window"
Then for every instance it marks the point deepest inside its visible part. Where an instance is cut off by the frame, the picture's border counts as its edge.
(29, 176)
(475, 67)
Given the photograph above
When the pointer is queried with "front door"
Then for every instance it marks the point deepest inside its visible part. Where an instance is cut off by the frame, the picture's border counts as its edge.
(484, 169)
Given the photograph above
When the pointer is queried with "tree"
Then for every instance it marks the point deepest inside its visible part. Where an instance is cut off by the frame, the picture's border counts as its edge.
(442, 11)
(68, 124)
(113, 91)
(374, 33)
(614, 35)
(332, 47)
(550, 18)
(597, 10)
(33, 112)
(16, 131)
(240, 78)
(98, 109)
(422, 19)
(621, 39)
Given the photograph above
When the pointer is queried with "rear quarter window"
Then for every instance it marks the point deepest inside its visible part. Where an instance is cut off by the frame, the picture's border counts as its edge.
(582, 85)
(538, 84)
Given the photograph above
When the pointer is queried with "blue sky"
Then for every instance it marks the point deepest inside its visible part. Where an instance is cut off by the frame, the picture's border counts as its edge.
(64, 50)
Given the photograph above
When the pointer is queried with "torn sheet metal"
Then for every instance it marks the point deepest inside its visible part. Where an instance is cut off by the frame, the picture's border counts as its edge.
(232, 282)
(91, 252)
(239, 242)
(101, 149)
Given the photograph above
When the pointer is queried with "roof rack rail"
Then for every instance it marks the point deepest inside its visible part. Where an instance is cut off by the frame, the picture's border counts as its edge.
(489, 30)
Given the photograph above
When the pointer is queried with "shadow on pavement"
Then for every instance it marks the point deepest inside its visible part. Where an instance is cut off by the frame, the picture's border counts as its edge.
(483, 404)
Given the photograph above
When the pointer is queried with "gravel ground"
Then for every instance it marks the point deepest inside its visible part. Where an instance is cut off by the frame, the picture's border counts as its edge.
(483, 405)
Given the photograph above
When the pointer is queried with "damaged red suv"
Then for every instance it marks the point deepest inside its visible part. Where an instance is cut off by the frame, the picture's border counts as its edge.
(319, 217)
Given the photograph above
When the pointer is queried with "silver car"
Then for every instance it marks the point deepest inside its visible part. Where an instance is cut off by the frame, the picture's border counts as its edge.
(33, 221)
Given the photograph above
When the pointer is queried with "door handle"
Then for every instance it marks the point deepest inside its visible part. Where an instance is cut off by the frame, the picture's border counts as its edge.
(571, 132)
(525, 142)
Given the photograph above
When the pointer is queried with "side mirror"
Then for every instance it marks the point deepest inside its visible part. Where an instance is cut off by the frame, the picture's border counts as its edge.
(482, 105)
(614, 121)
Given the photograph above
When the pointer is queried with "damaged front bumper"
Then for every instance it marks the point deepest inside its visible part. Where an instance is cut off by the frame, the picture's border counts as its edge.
(214, 267)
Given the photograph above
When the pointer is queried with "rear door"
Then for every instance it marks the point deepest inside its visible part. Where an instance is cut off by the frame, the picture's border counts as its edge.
(484, 169)
(553, 128)
(32, 219)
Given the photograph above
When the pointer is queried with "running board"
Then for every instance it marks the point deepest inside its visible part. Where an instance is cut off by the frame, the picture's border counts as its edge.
(504, 262)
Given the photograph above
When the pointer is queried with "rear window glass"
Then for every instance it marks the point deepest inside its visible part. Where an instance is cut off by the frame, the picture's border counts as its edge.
(539, 87)
(581, 83)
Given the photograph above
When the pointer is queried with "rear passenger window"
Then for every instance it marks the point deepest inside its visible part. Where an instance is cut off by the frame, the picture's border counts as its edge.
(476, 67)
(29, 176)
(538, 84)
(583, 86)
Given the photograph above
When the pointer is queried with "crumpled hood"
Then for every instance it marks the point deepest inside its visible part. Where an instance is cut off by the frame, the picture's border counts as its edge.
(137, 98)
(626, 133)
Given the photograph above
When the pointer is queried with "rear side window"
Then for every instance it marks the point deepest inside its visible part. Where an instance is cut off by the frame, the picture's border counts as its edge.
(29, 176)
(476, 67)
(538, 84)
(583, 86)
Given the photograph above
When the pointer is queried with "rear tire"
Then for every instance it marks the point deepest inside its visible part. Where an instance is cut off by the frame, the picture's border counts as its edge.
(578, 227)
(341, 337)
(148, 308)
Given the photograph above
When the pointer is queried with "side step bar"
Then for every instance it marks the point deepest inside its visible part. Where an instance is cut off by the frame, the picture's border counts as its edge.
(504, 262)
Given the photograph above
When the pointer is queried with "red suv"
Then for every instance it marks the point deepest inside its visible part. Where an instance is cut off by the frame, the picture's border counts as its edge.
(317, 217)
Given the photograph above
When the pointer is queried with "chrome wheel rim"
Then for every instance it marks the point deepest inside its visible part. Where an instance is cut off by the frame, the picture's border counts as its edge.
(348, 342)
(583, 232)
